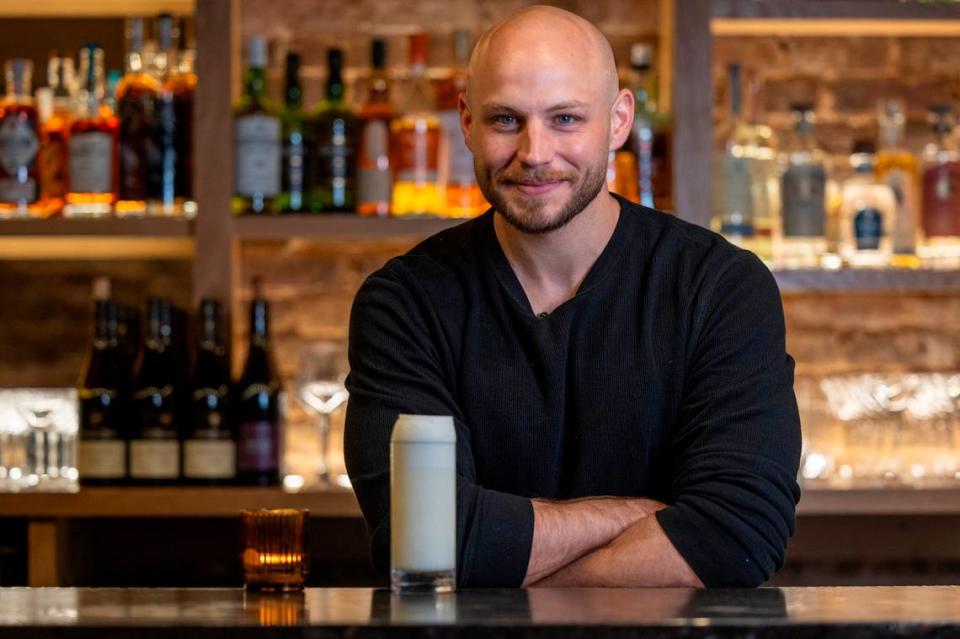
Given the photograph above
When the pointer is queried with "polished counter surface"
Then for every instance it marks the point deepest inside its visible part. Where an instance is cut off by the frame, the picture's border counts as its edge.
(932, 611)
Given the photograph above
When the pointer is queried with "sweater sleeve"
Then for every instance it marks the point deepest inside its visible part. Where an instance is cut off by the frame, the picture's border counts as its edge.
(736, 445)
(395, 368)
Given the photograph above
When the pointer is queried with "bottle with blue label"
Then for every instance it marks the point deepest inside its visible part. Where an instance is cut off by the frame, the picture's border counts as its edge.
(866, 213)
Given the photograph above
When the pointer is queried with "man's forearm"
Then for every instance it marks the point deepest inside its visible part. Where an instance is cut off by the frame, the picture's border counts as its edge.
(641, 556)
(566, 531)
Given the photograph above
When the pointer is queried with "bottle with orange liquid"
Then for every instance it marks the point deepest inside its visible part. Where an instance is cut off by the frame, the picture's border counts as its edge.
(19, 143)
(93, 144)
(463, 196)
(375, 174)
(898, 168)
(55, 105)
(415, 144)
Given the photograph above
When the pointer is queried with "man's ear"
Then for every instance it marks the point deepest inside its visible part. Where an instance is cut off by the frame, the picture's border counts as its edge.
(621, 119)
(466, 121)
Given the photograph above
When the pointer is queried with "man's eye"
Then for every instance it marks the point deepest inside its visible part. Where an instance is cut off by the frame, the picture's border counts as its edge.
(567, 119)
(505, 120)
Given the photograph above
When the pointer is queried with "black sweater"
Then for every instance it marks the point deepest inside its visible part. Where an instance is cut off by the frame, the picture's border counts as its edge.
(666, 377)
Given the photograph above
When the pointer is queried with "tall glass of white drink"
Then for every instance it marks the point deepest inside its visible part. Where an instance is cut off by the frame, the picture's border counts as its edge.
(423, 504)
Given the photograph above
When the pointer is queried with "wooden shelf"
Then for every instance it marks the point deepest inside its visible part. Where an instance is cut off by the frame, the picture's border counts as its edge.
(173, 502)
(868, 281)
(96, 239)
(106, 227)
(835, 9)
(91, 8)
(337, 226)
(834, 19)
(880, 501)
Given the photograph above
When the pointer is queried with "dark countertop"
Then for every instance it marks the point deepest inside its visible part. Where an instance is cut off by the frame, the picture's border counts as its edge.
(359, 612)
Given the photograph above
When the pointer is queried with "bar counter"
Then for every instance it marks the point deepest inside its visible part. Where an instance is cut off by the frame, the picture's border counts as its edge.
(932, 611)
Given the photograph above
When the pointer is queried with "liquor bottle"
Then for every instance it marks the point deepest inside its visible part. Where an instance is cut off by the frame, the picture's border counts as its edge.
(256, 139)
(93, 144)
(183, 85)
(333, 157)
(259, 416)
(209, 449)
(293, 185)
(154, 442)
(733, 201)
(174, 123)
(415, 143)
(103, 415)
(130, 339)
(140, 157)
(56, 116)
(802, 240)
(746, 183)
(941, 188)
(375, 173)
(19, 142)
(660, 161)
(634, 163)
(898, 167)
(867, 208)
(463, 196)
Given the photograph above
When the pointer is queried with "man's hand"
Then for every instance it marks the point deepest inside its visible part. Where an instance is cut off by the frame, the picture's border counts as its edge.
(566, 531)
(641, 556)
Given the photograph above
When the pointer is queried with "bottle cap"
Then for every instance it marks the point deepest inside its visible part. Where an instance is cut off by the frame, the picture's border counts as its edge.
(641, 55)
(419, 44)
(335, 59)
(424, 429)
(378, 53)
(257, 52)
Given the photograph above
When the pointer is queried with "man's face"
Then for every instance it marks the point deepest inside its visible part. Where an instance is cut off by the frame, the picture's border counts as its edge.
(540, 136)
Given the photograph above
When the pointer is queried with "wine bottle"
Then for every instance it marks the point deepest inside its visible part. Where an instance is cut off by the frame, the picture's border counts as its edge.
(102, 446)
(258, 406)
(154, 443)
(209, 449)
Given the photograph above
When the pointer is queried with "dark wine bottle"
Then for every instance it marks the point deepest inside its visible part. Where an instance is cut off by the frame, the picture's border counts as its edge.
(155, 442)
(102, 445)
(209, 447)
(258, 406)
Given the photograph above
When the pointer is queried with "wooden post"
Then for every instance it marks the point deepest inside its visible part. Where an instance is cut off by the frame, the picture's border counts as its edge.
(692, 99)
(215, 266)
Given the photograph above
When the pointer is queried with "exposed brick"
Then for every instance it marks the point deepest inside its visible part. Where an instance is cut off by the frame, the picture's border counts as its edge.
(780, 94)
(929, 56)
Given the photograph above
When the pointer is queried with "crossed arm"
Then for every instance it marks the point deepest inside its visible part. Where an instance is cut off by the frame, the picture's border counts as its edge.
(603, 541)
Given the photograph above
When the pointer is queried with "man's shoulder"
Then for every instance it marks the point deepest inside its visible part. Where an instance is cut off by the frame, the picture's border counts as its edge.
(668, 239)
(440, 259)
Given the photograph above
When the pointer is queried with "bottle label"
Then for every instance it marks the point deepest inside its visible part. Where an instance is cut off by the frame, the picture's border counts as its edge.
(804, 201)
(91, 159)
(904, 224)
(375, 179)
(154, 459)
(101, 459)
(257, 155)
(459, 159)
(868, 228)
(258, 447)
(941, 200)
(18, 143)
(209, 459)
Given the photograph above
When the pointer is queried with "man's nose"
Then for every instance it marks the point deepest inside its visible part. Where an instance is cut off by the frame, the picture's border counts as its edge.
(536, 145)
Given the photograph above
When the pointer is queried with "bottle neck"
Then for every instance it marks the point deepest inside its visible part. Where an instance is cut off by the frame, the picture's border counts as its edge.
(378, 86)
(335, 88)
(293, 95)
(134, 63)
(254, 83)
(259, 324)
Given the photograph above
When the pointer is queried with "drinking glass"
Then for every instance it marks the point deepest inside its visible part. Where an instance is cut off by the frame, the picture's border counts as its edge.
(320, 388)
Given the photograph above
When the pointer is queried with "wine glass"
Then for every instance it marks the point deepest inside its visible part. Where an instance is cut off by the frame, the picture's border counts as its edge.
(320, 388)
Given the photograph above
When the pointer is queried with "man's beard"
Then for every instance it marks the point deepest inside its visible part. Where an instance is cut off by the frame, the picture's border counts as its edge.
(594, 179)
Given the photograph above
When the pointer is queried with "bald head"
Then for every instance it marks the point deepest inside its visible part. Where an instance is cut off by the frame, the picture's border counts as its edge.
(544, 37)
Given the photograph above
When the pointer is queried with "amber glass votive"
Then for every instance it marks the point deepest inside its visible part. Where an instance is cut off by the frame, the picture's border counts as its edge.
(274, 549)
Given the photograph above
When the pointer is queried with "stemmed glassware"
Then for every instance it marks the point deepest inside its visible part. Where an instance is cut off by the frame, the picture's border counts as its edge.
(320, 388)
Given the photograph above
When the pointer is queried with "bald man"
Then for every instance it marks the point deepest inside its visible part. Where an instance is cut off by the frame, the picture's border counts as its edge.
(618, 379)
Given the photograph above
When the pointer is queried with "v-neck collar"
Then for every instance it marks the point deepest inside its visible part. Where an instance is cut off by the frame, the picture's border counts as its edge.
(607, 259)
